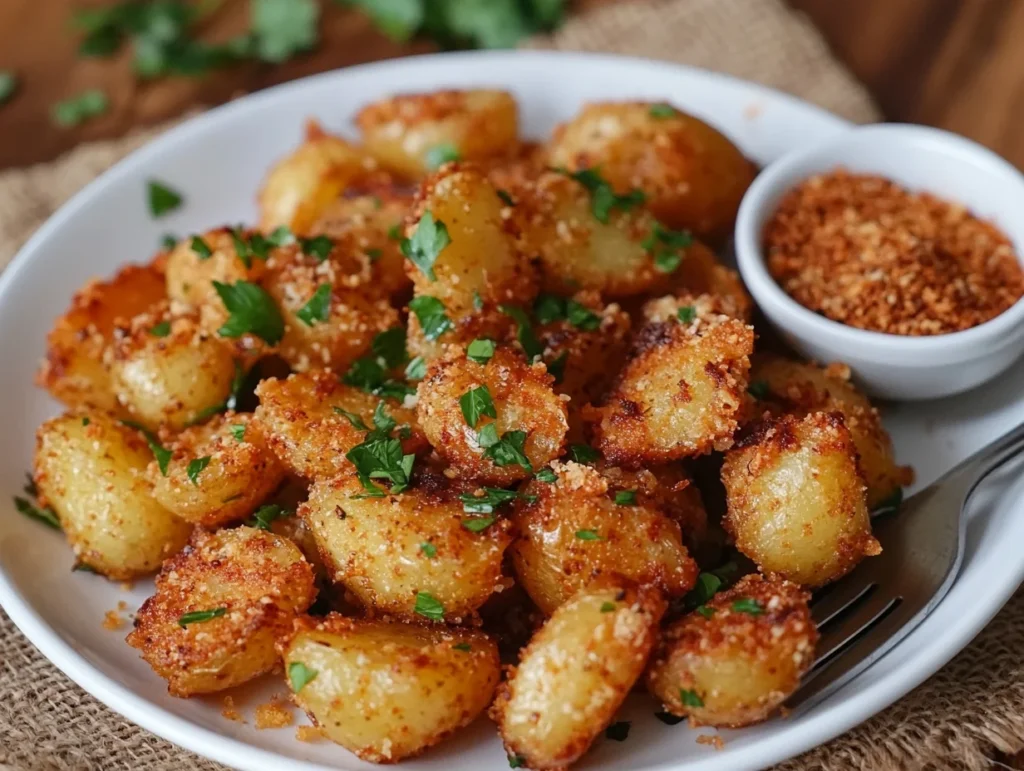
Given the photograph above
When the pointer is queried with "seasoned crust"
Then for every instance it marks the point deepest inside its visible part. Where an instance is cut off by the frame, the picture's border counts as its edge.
(739, 665)
(259, 578)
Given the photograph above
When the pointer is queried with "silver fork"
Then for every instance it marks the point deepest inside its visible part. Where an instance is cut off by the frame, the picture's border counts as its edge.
(865, 614)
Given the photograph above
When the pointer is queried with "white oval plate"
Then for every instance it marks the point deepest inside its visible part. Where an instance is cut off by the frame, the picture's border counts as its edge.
(218, 160)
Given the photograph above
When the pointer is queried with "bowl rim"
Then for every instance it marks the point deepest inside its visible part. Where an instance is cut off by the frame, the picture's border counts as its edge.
(795, 318)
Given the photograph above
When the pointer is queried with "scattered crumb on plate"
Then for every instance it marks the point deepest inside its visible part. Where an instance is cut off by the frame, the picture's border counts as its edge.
(713, 739)
(112, 621)
(308, 733)
(274, 714)
(230, 712)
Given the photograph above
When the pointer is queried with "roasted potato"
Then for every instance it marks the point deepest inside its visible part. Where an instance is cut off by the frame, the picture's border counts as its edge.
(75, 371)
(167, 371)
(702, 273)
(584, 525)
(796, 503)
(801, 387)
(388, 691)
(413, 134)
(528, 420)
(398, 551)
(219, 472)
(303, 421)
(683, 386)
(735, 660)
(91, 470)
(693, 177)
(576, 671)
(219, 608)
(301, 185)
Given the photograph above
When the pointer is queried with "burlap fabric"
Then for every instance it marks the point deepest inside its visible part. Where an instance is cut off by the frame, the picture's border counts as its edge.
(959, 718)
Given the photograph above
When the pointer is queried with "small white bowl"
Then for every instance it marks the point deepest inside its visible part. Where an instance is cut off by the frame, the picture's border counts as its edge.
(918, 158)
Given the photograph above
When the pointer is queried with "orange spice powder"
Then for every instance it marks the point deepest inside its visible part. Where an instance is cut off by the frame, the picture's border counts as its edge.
(861, 250)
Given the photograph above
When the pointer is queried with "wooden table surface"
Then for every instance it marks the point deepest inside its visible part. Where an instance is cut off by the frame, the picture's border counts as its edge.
(951, 63)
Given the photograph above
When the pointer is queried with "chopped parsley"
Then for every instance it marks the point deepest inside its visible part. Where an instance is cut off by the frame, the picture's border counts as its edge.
(389, 345)
(583, 453)
(707, 586)
(428, 549)
(266, 514)
(476, 403)
(373, 254)
(505, 451)
(318, 246)
(162, 199)
(546, 475)
(299, 675)
(690, 698)
(617, 732)
(250, 309)
(581, 316)
(687, 314)
(430, 313)
(705, 611)
(160, 330)
(380, 456)
(195, 467)
(607, 607)
(492, 498)
(428, 241)
(588, 535)
(354, 420)
(168, 241)
(8, 85)
(283, 28)
(395, 232)
(662, 110)
(478, 301)
(318, 308)
(199, 616)
(516, 761)
(556, 368)
(532, 347)
(237, 431)
(417, 369)
(161, 453)
(603, 198)
(464, 647)
(86, 421)
(759, 389)
(83, 567)
(201, 248)
(438, 155)
(78, 109)
(478, 524)
(506, 197)
(748, 605)
(370, 374)
(891, 504)
(667, 247)
(626, 497)
(428, 606)
(548, 308)
(44, 515)
(480, 351)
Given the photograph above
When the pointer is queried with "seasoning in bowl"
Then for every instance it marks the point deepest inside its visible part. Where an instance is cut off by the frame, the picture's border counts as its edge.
(861, 250)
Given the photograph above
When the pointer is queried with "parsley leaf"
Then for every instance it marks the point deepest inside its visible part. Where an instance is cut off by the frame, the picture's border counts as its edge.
(438, 155)
(161, 453)
(588, 535)
(160, 330)
(556, 368)
(582, 453)
(238, 431)
(604, 199)
(748, 605)
(8, 85)
(506, 197)
(505, 451)
(417, 369)
(266, 514)
(759, 389)
(687, 314)
(465, 647)
(492, 498)
(690, 698)
(428, 241)
(78, 109)
(428, 549)
(475, 403)
(299, 675)
(283, 28)
(480, 351)
(162, 199)
(168, 241)
(201, 248)
(389, 345)
(532, 347)
(46, 516)
(318, 308)
(428, 606)
(198, 616)
(252, 310)
(398, 19)
(319, 247)
(478, 524)
(581, 317)
(354, 420)
(667, 247)
(548, 308)
(196, 466)
(380, 456)
(662, 110)
(431, 315)
(516, 761)
(607, 607)
(546, 475)
(706, 587)
(617, 732)
(626, 497)
(368, 374)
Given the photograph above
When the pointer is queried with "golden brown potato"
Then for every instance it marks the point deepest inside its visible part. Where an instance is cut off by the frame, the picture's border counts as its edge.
(90, 469)
(399, 551)
(693, 176)
(195, 263)
(388, 691)
(413, 134)
(584, 525)
(303, 421)
(802, 387)
(302, 184)
(218, 473)
(74, 370)
(167, 371)
(576, 671)
(331, 312)
(702, 273)
(683, 386)
(219, 608)
(796, 502)
(585, 244)
(735, 660)
(521, 423)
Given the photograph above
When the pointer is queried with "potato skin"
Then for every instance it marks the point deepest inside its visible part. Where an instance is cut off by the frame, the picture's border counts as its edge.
(801, 387)
(682, 389)
(388, 691)
(171, 380)
(262, 582)
(374, 546)
(523, 400)
(692, 175)
(240, 475)
(402, 130)
(74, 370)
(739, 665)
(796, 502)
(298, 420)
(91, 470)
(702, 273)
(637, 541)
(576, 672)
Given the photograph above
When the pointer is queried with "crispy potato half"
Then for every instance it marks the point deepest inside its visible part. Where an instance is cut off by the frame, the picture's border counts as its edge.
(802, 387)
(683, 386)
(219, 472)
(219, 608)
(91, 470)
(310, 420)
(576, 672)
(584, 525)
(796, 502)
(388, 691)
(416, 555)
(519, 422)
(413, 134)
(692, 175)
(75, 371)
(738, 658)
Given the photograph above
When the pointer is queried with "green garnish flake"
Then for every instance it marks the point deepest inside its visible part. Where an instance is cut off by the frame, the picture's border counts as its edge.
(748, 605)
(478, 301)
(662, 110)
(759, 389)
(603, 198)
(373, 254)
(319, 247)
(161, 453)
(168, 241)
(475, 403)
(201, 248)
(299, 675)
(318, 308)
(588, 535)
(417, 369)
(389, 346)
(548, 308)
(428, 549)
(428, 606)
(78, 109)
(354, 420)
(380, 456)
(438, 155)
(86, 421)
(199, 616)
(431, 314)
(478, 524)
(44, 515)
(617, 732)
(690, 698)
(428, 241)
(581, 316)
(556, 368)
(707, 586)
(237, 431)
(464, 647)
(162, 199)
(195, 467)
(891, 504)
(625, 497)
(160, 330)
(516, 761)
(583, 453)
(607, 607)
(489, 500)
(8, 85)
(395, 232)
(83, 567)
(667, 247)
(371, 375)
(532, 347)
(507, 450)
(687, 314)
(266, 514)
(506, 197)
(546, 475)
(480, 351)
(705, 611)
(283, 28)
(252, 310)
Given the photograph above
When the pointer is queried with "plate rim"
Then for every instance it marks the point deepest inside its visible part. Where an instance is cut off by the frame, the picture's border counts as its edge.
(233, 752)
